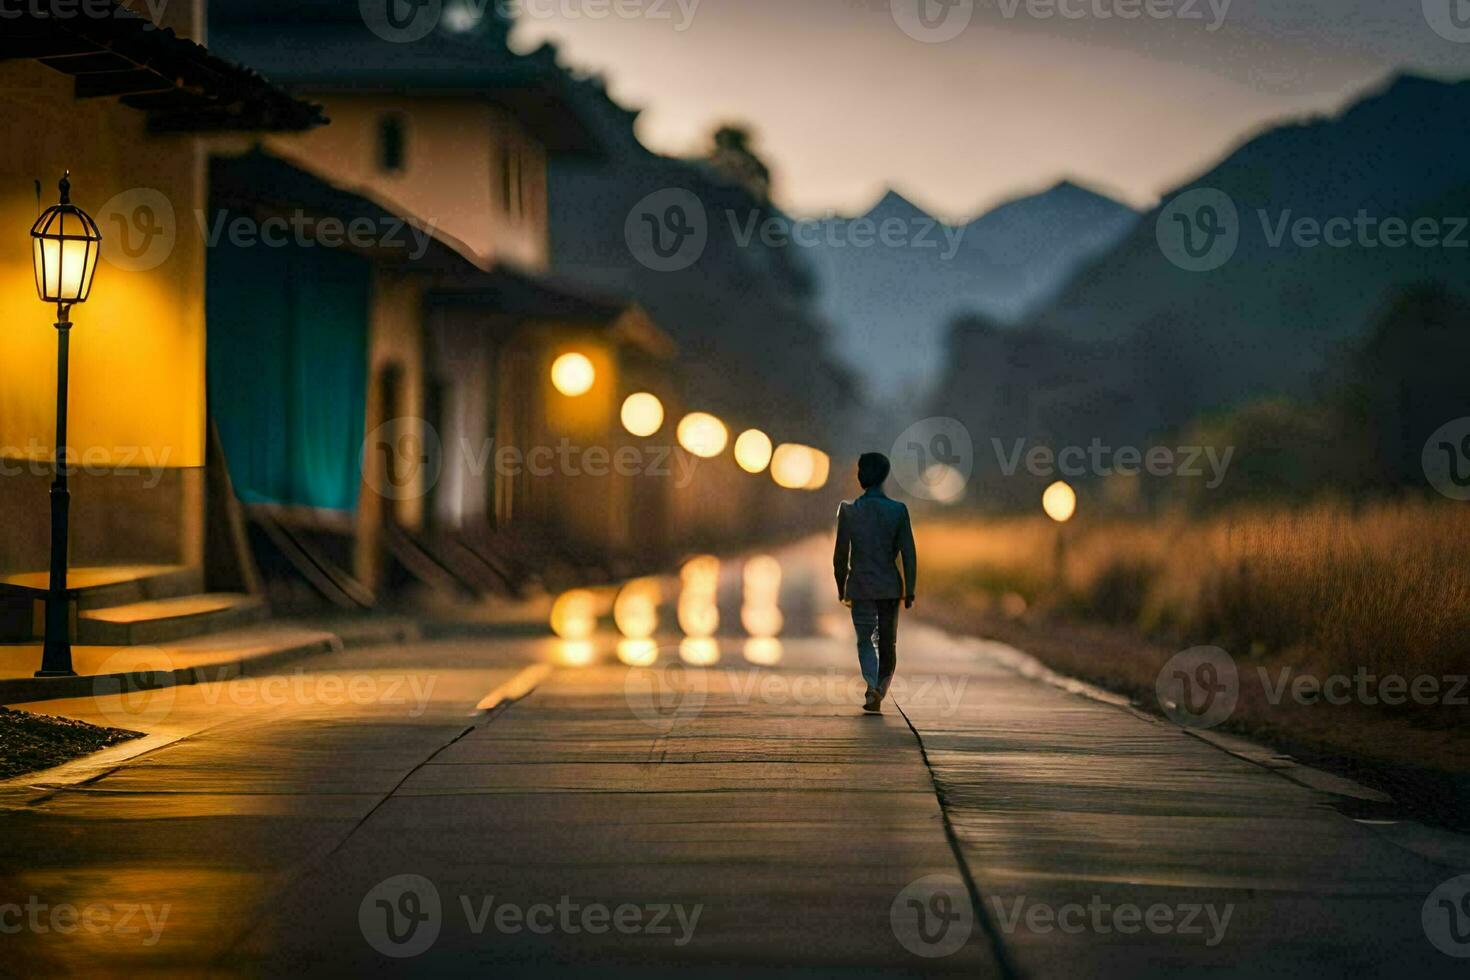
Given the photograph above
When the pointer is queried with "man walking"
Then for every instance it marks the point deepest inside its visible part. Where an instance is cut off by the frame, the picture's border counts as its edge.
(872, 532)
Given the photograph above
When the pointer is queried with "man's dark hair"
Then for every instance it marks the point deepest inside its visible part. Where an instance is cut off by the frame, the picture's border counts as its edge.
(873, 469)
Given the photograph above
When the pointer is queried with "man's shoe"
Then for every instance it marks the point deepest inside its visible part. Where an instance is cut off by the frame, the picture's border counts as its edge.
(874, 701)
(883, 688)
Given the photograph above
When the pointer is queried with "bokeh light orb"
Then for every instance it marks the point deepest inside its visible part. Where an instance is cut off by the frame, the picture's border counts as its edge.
(699, 651)
(763, 651)
(703, 435)
(946, 485)
(573, 374)
(753, 450)
(574, 615)
(793, 466)
(643, 413)
(821, 469)
(635, 611)
(1059, 501)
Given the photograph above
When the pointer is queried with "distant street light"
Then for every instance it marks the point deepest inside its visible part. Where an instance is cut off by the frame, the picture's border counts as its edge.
(573, 374)
(821, 469)
(65, 245)
(643, 413)
(798, 467)
(753, 450)
(703, 435)
(1060, 502)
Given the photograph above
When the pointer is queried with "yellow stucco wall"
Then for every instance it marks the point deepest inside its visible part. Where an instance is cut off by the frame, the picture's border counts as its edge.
(137, 350)
(451, 172)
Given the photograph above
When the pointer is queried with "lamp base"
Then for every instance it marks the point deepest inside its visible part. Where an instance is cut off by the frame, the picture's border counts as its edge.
(55, 673)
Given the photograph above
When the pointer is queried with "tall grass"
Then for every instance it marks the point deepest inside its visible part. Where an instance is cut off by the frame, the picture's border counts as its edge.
(1384, 587)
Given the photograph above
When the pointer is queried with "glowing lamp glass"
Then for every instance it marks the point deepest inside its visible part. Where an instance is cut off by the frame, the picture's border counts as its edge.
(574, 615)
(753, 450)
(65, 244)
(793, 466)
(1060, 502)
(643, 414)
(703, 435)
(573, 374)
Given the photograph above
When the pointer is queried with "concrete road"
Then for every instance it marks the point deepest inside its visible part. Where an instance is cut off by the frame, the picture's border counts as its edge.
(519, 805)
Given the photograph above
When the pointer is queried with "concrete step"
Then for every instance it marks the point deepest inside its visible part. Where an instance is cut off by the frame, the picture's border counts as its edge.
(111, 585)
(163, 620)
(255, 651)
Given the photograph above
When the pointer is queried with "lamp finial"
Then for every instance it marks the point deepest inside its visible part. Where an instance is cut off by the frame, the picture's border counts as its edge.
(66, 187)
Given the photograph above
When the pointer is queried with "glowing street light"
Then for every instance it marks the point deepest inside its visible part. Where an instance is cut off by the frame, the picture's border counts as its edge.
(821, 469)
(574, 615)
(635, 611)
(794, 466)
(65, 244)
(753, 450)
(573, 374)
(1060, 502)
(643, 413)
(703, 435)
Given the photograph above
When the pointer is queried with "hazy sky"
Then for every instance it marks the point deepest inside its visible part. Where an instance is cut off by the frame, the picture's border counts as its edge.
(845, 102)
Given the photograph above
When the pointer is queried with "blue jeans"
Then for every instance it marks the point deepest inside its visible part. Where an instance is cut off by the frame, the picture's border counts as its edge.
(876, 623)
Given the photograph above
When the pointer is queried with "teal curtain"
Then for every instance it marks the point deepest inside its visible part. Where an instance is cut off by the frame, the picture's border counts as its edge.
(287, 363)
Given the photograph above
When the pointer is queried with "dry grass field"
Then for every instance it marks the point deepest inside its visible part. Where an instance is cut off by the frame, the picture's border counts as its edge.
(1326, 591)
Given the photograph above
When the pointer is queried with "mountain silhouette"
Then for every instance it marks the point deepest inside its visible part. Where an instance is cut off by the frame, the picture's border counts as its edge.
(892, 298)
(1279, 316)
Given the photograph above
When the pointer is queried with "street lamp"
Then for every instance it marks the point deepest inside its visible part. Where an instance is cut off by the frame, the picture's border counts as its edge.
(65, 244)
(1060, 503)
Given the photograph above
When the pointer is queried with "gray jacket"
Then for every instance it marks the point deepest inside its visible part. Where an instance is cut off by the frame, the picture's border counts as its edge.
(872, 532)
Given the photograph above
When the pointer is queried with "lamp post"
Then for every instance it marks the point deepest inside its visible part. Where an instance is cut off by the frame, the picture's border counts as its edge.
(1060, 503)
(65, 244)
